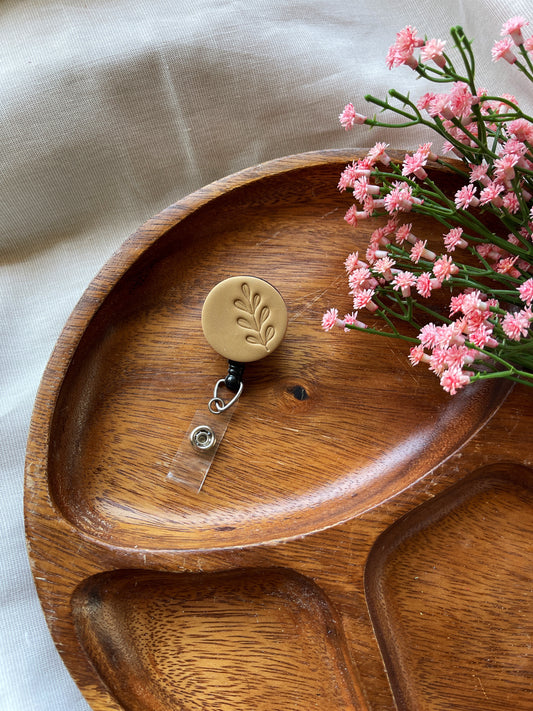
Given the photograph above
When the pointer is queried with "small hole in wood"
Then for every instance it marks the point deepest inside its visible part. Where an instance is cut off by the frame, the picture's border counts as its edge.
(299, 392)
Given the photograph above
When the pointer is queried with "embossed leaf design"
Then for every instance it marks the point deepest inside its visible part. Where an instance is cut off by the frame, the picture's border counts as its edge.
(264, 314)
(256, 319)
(245, 323)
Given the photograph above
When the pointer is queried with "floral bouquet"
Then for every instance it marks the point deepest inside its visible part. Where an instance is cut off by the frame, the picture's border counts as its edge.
(483, 265)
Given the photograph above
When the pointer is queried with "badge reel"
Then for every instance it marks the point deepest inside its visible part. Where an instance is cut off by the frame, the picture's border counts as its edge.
(244, 319)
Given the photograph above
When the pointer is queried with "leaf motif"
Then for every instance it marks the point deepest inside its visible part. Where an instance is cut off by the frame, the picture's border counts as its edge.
(241, 306)
(245, 323)
(269, 334)
(256, 319)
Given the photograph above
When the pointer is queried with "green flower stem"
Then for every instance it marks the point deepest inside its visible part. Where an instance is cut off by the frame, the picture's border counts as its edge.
(492, 117)
(432, 207)
(463, 45)
(522, 68)
(432, 74)
(525, 55)
(379, 332)
(510, 374)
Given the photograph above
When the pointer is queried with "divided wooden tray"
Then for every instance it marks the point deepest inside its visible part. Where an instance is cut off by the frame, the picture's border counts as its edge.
(363, 540)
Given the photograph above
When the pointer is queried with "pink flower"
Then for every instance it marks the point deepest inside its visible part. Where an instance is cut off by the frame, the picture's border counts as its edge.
(425, 101)
(491, 193)
(433, 50)
(378, 154)
(511, 202)
(329, 319)
(521, 129)
(446, 334)
(504, 167)
(429, 336)
(417, 355)
(352, 172)
(482, 336)
(414, 164)
(359, 188)
(404, 281)
(472, 302)
(507, 266)
(439, 106)
(345, 181)
(352, 215)
(456, 304)
(444, 268)
(419, 251)
(516, 325)
(369, 204)
(404, 232)
(363, 299)
(437, 362)
(351, 320)
(425, 284)
(353, 262)
(479, 173)
(392, 225)
(461, 100)
(453, 379)
(459, 355)
(528, 44)
(378, 237)
(349, 117)
(465, 197)
(383, 266)
(502, 50)
(359, 279)
(400, 198)
(488, 251)
(362, 188)
(526, 291)
(371, 251)
(401, 52)
(513, 27)
(514, 147)
(453, 239)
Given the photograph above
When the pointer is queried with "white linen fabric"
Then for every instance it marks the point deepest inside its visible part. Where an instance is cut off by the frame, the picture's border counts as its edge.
(109, 112)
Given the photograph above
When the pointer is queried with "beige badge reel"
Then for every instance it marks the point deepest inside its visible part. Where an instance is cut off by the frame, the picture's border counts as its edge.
(244, 319)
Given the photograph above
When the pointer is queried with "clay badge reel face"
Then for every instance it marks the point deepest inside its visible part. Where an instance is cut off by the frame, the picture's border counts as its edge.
(244, 319)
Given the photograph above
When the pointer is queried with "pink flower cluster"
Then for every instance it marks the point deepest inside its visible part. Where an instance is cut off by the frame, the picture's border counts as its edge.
(512, 37)
(402, 51)
(454, 109)
(407, 41)
(400, 198)
(494, 140)
(451, 348)
(448, 348)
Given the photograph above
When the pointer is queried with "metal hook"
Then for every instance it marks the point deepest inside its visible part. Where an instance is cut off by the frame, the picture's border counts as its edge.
(217, 404)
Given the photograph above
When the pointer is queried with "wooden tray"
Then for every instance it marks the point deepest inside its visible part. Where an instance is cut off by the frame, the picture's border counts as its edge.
(363, 540)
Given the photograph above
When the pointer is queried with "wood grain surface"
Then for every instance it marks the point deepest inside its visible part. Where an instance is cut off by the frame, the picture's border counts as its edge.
(362, 541)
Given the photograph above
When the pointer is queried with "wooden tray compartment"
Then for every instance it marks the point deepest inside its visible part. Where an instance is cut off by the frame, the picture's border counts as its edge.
(447, 590)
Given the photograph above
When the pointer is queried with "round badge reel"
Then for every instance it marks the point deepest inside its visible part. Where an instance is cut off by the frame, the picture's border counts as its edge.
(244, 319)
